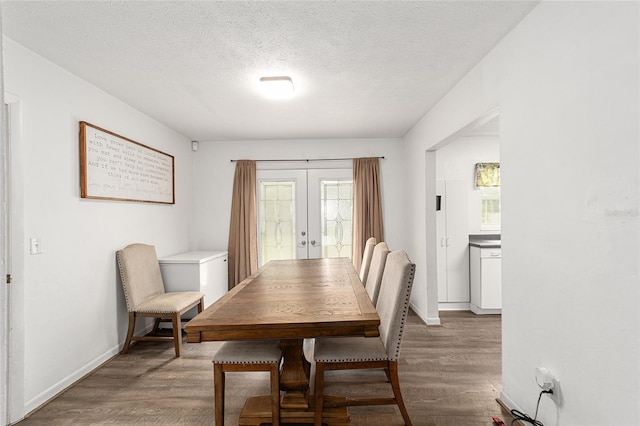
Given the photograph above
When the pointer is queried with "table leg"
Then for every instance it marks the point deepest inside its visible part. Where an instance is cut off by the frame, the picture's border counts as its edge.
(295, 407)
(294, 378)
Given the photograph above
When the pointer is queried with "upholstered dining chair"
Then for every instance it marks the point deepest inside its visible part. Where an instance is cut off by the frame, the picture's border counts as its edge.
(366, 259)
(374, 278)
(247, 356)
(145, 295)
(349, 353)
(375, 256)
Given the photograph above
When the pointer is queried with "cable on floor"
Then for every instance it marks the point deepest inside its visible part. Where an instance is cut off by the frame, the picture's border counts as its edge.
(519, 415)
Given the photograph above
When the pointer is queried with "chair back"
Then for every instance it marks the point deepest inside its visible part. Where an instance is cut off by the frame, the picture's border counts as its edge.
(393, 301)
(374, 277)
(140, 273)
(366, 259)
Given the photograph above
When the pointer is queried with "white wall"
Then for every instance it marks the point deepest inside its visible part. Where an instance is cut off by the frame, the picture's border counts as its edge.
(71, 315)
(457, 161)
(566, 82)
(213, 180)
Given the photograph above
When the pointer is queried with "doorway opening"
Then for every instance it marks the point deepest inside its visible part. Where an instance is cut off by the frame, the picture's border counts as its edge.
(458, 215)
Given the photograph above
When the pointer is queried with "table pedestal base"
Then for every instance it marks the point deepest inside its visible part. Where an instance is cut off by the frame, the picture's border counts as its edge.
(257, 411)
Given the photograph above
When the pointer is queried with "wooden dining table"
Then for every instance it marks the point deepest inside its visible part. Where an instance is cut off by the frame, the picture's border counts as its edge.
(290, 300)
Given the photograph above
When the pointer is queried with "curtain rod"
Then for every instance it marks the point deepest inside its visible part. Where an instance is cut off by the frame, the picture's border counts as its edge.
(311, 159)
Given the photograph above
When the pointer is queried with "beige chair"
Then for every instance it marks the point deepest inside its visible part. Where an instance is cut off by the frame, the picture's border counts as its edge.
(145, 295)
(374, 278)
(366, 259)
(372, 283)
(348, 353)
(247, 356)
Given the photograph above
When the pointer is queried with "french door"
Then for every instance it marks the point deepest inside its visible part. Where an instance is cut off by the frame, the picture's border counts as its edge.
(304, 214)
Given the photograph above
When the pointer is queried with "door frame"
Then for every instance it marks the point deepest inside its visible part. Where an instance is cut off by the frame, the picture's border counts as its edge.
(13, 344)
(4, 289)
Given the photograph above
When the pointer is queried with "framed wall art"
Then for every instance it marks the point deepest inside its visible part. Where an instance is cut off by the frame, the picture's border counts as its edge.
(113, 167)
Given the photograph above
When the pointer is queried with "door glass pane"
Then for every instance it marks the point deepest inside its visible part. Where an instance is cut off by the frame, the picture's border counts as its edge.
(336, 200)
(277, 220)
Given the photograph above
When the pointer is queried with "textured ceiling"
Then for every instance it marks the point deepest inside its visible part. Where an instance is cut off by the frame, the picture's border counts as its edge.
(360, 69)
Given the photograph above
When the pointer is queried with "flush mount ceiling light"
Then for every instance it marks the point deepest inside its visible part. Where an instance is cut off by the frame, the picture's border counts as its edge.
(277, 87)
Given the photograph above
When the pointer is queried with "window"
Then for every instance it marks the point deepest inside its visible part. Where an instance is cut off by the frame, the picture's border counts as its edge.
(488, 181)
(490, 208)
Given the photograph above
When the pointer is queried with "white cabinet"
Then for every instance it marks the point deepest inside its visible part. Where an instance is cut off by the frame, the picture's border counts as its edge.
(486, 280)
(204, 271)
(452, 227)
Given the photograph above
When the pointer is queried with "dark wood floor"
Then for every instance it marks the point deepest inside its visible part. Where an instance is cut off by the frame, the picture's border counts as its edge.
(450, 375)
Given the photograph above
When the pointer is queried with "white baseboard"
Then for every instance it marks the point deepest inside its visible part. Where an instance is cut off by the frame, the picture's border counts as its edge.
(53, 391)
(453, 306)
(423, 316)
(433, 321)
(508, 402)
(480, 311)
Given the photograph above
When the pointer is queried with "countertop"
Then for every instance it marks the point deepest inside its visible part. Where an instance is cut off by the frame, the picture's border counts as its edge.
(486, 243)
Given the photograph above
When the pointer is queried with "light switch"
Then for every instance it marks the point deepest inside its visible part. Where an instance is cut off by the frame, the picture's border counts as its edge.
(35, 245)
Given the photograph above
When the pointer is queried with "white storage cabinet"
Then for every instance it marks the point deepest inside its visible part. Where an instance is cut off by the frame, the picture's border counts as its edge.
(453, 245)
(486, 280)
(204, 271)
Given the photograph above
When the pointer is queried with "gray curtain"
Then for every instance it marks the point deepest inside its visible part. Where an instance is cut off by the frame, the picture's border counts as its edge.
(243, 230)
(367, 205)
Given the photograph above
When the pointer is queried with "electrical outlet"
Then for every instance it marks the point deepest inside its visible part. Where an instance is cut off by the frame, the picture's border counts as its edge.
(548, 382)
(35, 245)
(556, 396)
(544, 378)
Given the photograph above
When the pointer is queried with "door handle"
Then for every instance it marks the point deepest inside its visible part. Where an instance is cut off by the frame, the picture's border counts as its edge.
(303, 243)
(313, 242)
(448, 241)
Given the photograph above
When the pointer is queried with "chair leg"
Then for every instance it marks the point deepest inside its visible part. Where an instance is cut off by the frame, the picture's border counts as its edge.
(386, 371)
(156, 324)
(177, 333)
(275, 394)
(201, 305)
(319, 393)
(132, 326)
(218, 385)
(395, 384)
